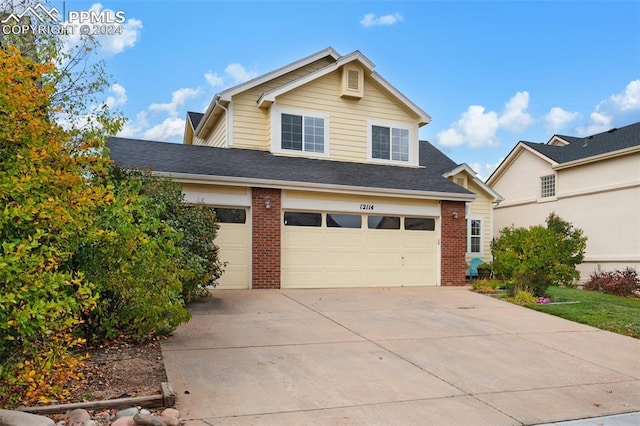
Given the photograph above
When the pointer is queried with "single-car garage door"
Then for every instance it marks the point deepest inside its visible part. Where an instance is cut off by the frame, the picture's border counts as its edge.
(233, 243)
(323, 249)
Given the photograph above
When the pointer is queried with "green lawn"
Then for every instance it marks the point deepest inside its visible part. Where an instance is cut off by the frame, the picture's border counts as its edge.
(618, 314)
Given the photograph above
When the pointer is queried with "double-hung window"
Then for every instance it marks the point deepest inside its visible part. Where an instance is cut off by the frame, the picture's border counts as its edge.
(389, 143)
(474, 236)
(302, 133)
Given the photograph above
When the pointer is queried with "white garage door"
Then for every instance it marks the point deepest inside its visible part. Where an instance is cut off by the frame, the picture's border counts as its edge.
(321, 250)
(233, 242)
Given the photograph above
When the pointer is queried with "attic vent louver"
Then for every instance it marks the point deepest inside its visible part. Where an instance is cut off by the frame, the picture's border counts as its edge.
(353, 80)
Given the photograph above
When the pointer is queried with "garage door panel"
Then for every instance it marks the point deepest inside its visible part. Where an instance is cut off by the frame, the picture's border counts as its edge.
(232, 240)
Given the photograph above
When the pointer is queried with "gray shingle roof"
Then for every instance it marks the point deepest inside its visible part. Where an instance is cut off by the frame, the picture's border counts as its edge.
(601, 143)
(195, 118)
(262, 165)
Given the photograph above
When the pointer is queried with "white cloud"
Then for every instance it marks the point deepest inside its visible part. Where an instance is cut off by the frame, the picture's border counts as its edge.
(557, 118)
(475, 128)
(598, 123)
(629, 99)
(134, 129)
(171, 127)
(119, 96)
(618, 109)
(120, 37)
(178, 99)
(484, 170)
(514, 117)
(112, 44)
(213, 79)
(239, 73)
(371, 20)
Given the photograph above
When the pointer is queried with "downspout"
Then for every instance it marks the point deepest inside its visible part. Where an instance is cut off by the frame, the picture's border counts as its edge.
(226, 122)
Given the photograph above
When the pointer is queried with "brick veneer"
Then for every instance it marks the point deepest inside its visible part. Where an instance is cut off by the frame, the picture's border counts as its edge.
(265, 237)
(454, 240)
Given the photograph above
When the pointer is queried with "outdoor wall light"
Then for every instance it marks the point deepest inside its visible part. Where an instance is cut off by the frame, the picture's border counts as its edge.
(454, 215)
(267, 204)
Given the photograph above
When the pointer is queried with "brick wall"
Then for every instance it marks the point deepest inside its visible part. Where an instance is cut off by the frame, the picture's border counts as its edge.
(453, 240)
(265, 237)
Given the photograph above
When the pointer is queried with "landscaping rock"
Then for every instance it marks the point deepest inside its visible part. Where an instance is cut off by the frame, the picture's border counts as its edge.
(148, 420)
(20, 418)
(124, 421)
(77, 417)
(127, 412)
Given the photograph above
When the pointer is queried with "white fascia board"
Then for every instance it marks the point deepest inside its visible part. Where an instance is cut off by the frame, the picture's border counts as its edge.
(594, 158)
(269, 97)
(312, 186)
(227, 94)
(506, 163)
(423, 117)
(465, 167)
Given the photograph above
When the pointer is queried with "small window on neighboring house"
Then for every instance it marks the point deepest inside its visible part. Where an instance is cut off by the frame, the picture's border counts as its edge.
(302, 133)
(474, 236)
(389, 143)
(548, 186)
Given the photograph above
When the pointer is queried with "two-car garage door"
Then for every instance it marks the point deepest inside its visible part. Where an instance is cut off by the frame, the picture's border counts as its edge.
(323, 249)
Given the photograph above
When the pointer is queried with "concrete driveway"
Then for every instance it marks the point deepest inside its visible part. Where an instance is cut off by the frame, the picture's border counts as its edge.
(405, 356)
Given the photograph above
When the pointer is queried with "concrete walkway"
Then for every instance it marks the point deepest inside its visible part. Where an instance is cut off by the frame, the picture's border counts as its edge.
(405, 356)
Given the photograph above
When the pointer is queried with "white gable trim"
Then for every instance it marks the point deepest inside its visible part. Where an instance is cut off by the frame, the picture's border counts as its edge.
(465, 167)
(226, 95)
(269, 97)
(515, 152)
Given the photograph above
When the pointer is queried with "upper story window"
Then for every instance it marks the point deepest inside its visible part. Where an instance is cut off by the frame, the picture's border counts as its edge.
(302, 133)
(392, 142)
(548, 186)
(389, 143)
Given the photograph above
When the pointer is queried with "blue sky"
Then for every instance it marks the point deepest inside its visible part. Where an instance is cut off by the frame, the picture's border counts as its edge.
(490, 73)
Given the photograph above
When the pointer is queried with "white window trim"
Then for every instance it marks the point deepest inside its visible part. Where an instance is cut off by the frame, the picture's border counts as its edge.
(413, 141)
(482, 225)
(276, 128)
(542, 199)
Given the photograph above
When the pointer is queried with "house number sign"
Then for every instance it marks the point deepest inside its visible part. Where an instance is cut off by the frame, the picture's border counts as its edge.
(365, 206)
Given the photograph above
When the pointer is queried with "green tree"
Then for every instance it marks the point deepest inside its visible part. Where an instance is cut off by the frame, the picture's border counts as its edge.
(539, 256)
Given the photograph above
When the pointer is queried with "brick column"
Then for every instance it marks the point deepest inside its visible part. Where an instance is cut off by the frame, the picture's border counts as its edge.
(265, 237)
(453, 266)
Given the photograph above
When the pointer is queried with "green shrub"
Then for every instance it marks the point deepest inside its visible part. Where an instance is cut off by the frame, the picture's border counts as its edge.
(523, 297)
(133, 259)
(539, 256)
(485, 286)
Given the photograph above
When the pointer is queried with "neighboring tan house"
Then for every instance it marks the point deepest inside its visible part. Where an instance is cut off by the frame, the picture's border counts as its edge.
(592, 182)
(319, 180)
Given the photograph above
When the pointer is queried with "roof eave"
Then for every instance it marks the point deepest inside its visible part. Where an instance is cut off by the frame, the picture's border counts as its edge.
(599, 157)
(313, 186)
(474, 177)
